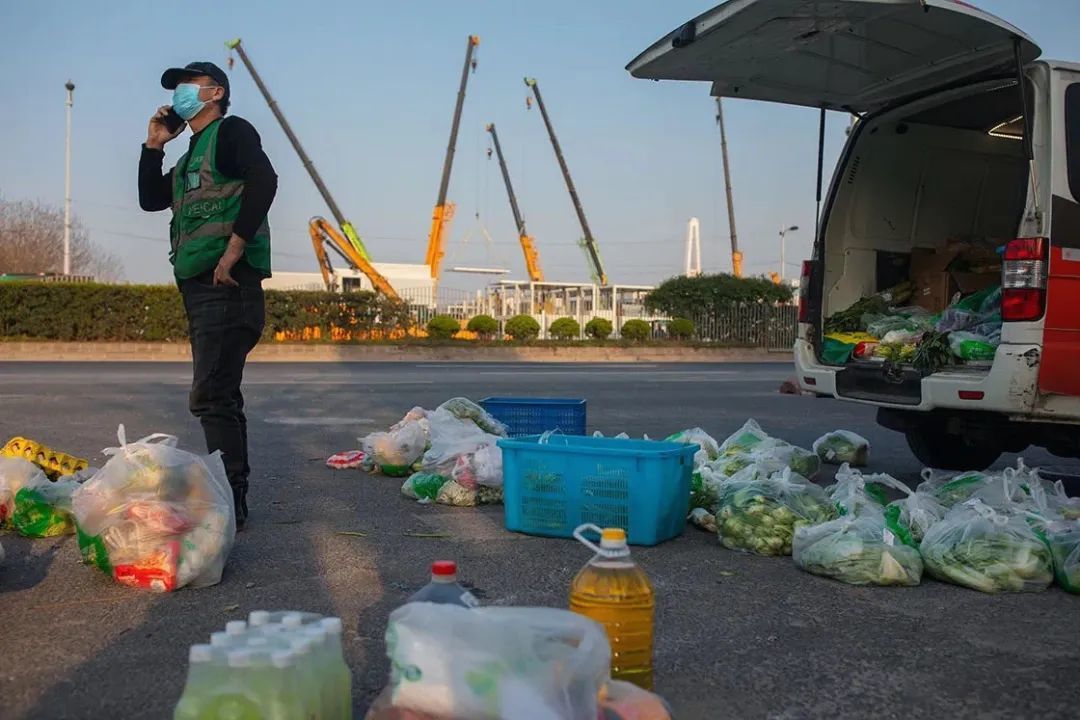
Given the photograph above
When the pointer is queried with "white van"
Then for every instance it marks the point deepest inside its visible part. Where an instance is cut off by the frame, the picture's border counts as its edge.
(941, 150)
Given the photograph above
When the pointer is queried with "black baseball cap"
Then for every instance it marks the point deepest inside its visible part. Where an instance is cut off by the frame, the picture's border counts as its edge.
(174, 76)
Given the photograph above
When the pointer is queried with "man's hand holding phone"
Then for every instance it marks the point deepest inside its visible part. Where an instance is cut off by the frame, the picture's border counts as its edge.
(164, 126)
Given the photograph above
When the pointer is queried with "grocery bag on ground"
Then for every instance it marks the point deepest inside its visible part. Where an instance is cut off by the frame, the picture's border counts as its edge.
(709, 448)
(1063, 539)
(750, 444)
(451, 438)
(759, 515)
(952, 488)
(986, 549)
(853, 491)
(15, 474)
(745, 439)
(395, 452)
(346, 460)
(155, 516)
(423, 486)
(857, 549)
(465, 409)
(914, 514)
(843, 446)
(43, 508)
(495, 662)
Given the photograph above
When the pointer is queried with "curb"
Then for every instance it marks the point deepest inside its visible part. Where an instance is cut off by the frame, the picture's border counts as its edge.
(324, 352)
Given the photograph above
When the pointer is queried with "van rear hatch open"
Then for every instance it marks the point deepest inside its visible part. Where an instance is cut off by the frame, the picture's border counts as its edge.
(855, 55)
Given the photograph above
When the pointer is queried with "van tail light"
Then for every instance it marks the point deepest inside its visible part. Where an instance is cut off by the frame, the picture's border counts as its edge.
(804, 292)
(1023, 280)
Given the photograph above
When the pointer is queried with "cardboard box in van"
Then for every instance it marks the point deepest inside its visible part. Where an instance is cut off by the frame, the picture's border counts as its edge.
(933, 282)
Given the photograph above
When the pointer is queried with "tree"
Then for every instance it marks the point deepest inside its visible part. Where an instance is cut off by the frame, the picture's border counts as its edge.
(636, 330)
(523, 327)
(565, 329)
(483, 325)
(32, 241)
(443, 327)
(713, 294)
(599, 328)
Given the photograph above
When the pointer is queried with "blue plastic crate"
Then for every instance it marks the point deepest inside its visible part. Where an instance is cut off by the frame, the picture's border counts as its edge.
(534, 416)
(642, 486)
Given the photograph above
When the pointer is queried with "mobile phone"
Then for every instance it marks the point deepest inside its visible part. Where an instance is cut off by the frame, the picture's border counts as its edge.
(173, 121)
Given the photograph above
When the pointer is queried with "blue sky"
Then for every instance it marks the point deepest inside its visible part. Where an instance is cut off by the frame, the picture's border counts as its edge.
(369, 88)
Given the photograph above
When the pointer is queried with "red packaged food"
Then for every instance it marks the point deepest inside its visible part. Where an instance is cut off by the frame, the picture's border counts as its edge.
(156, 572)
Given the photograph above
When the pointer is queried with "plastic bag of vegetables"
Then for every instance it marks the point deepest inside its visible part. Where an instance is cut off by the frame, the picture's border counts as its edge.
(423, 487)
(988, 550)
(710, 449)
(15, 474)
(745, 439)
(911, 516)
(853, 491)
(857, 549)
(759, 514)
(43, 508)
(843, 446)
(394, 452)
(1063, 539)
(952, 489)
(465, 409)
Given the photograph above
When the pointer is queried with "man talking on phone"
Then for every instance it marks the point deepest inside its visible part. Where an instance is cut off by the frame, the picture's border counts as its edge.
(220, 192)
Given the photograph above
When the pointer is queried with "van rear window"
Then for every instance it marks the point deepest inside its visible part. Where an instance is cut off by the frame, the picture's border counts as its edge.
(1072, 137)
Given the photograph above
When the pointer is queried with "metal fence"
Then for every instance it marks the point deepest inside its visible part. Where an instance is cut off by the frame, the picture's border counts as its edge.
(773, 327)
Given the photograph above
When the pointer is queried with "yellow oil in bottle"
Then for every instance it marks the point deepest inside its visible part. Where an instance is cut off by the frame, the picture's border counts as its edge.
(612, 590)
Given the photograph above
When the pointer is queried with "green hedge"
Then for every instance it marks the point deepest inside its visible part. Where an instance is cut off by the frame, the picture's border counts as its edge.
(49, 311)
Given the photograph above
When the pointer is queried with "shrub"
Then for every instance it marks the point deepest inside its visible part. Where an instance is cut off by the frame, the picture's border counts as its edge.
(713, 294)
(443, 327)
(681, 328)
(565, 329)
(95, 312)
(636, 330)
(599, 328)
(483, 325)
(522, 327)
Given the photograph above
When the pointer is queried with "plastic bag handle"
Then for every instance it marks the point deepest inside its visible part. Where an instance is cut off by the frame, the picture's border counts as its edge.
(985, 511)
(121, 436)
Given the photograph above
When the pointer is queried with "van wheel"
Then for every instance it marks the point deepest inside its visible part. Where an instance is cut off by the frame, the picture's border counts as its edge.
(944, 451)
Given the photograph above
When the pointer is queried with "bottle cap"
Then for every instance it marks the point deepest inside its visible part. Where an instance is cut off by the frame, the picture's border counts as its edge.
(332, 626)
(293, 620)
(258, 618)
(282, 659)
(236, 627)
(444, 568)
(200, 654)
(219, 639)
(613, 538)
(239, 659)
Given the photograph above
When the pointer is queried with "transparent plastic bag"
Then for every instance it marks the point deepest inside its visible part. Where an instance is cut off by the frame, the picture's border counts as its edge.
(395, 451)
(709, 449)
(451, 438)
(759, 515)
(15, 474)
(857, 549)
(914, 515)
(423, 487)
(453, 493)
(745, 439)
(43, 508)
(490, 663)
(157, 517)
(881, 325)
(984, 549)
(1063, 539)
(954, 318)
(465, 409)
(854, 492)
(970, 346)
(952, 488)
(843, 446)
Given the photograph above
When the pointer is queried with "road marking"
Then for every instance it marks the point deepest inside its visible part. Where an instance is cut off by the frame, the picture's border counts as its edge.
(317, 421)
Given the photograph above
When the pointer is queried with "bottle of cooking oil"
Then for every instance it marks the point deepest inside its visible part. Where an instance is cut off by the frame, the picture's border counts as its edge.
(616, 593)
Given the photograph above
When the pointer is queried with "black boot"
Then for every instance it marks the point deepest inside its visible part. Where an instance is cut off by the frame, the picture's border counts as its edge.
(240, 503)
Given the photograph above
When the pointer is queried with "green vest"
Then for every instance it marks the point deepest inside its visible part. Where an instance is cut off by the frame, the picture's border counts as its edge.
(205, 204)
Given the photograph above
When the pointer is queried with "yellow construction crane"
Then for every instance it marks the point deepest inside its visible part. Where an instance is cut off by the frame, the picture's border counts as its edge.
(323, 233)
(347, 243)
(444, 211)
(528, 247)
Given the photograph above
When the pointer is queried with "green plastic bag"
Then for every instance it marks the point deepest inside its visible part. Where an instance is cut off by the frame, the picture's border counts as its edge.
(834, 352)
(44, 510)
(423, 486)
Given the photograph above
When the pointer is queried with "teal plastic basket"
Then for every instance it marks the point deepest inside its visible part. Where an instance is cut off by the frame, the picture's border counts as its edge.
(553, 486)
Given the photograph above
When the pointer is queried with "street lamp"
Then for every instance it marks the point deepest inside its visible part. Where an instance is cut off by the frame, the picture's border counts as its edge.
(70, 87)
(783, 235)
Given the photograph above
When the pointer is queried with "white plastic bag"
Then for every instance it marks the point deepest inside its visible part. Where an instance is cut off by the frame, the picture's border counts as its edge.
(397, 450)
(465, 409)
(857, 549)
(484, 467)
(157, 517)
(984, 549)
(15, 474)
(490, 663)
(745, 439)
(843, 446)
(452, 437)
(708, 448)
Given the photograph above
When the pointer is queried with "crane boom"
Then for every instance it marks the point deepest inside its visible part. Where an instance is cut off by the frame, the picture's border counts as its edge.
(444, 211)
(736, 256)
(346, 226)
(591, 249)
(323, 233)
(528, 247)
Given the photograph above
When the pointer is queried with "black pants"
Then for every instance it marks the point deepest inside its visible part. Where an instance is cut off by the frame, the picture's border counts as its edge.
(225, 324)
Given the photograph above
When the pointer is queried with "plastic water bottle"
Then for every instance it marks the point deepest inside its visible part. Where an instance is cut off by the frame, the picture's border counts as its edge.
(616, 593)
(338, 669)
(201, 679)
(444, 588)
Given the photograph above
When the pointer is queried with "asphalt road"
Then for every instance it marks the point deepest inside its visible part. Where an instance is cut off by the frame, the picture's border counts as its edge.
(738, 636)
